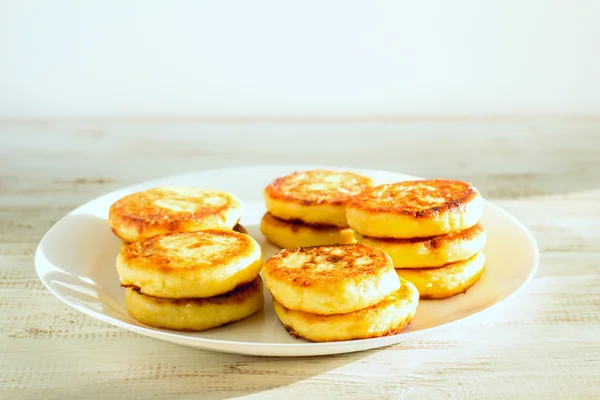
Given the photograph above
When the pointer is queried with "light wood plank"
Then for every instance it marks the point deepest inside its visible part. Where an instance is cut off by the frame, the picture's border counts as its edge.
(543, 344)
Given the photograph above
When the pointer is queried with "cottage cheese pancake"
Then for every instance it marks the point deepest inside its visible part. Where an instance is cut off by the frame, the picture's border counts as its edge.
(446, 281)
(420, 208)
(173, 209)
(190, 264)
(432, 251)
(196, 314)
(314, 197)
(332, 279)
(388, 317)
(288, 234)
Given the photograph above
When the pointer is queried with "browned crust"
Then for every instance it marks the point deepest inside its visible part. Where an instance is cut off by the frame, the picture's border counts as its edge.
(238, 295)
(403, 293)
(345, 268)
(407, 198)
(295, 225)
(148, 253)
(138, 211)
(436, 242)
(292, 332)
(292, 188)
(448, 269)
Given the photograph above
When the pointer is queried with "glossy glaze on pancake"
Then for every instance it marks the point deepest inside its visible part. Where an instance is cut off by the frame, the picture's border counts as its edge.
(173, 209)
(445, 281)
(289, 234)
(432, 251)
(330, 279)
(196, 314)
(420, 208)
(315, 196)
(190, 264)
(388, 317)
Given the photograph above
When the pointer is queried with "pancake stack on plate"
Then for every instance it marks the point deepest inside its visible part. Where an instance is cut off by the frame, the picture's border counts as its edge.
(183, 265)
(308, 208)
(339, 292)
(430, 228)
(192, 280)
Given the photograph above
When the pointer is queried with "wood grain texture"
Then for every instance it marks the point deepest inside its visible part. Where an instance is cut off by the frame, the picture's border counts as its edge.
(543, 344)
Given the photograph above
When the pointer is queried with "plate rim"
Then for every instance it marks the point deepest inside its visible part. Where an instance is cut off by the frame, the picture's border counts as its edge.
(311, 348)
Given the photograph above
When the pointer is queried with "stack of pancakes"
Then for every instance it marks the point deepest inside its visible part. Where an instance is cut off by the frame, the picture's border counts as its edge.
(308, 208)
(183, 265)
(339, 292)
(430, 228)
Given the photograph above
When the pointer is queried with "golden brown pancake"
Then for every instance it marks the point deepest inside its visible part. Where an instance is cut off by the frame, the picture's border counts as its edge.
(433, 251)
(388, 317)
(446, 281)
(288, 234)
(315, 197)
(332, 279)
(190, 264)
(420, 208)
(196, 314)
(173, 209)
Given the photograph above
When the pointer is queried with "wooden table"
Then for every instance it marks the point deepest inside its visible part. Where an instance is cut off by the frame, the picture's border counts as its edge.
(543, 344)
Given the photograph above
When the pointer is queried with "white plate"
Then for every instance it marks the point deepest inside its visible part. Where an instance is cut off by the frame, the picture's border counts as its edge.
(76, 261)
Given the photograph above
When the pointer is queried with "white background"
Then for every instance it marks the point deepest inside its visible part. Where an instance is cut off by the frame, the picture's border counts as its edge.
(305, 58)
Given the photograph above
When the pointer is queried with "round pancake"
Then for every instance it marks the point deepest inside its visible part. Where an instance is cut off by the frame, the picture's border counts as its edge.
(288, 234)
(333, 279)
(446, 281)
(196, 314)
(173, 209)
(190, 264)
(388, 317)
(314, 197)
(421, 208)
(433, 251)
